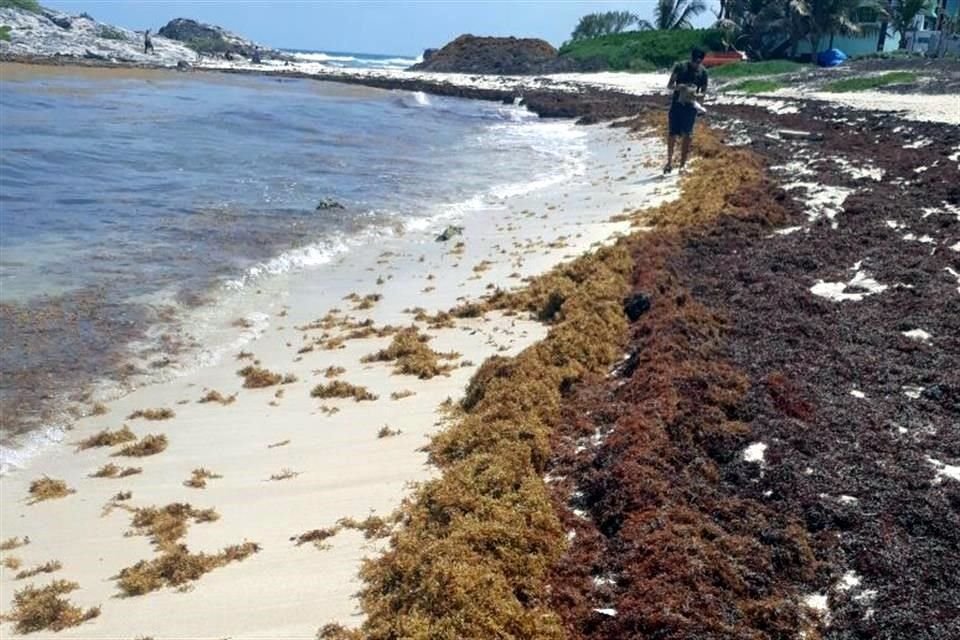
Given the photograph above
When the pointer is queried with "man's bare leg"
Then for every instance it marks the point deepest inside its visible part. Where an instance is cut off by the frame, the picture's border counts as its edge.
(684, 151)
(670, 142)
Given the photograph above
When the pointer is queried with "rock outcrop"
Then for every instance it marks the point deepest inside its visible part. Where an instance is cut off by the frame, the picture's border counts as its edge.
(57, 35)
(208, 39)
(501, 56)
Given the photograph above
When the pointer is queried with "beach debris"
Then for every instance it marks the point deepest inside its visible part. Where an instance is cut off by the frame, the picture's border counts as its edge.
(47, 567)
(14, 542)
(149, 445)
(152, 414)
(282, 443)
(329, 203)
(198, 478)
(111, 470)
(215, 396)
(341, 389)
(47, 488)
(36, 609)
(316, 536)
(449, 232)
(107, 438)
(285, 474)
(636, 305)
(255, 377)
(412, 355)
(400, 395)
(12, 563)
(795, 134)
(386, 432)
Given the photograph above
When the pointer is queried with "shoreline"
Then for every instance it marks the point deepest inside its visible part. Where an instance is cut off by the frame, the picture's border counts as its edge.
(344, 469)
(756, 416)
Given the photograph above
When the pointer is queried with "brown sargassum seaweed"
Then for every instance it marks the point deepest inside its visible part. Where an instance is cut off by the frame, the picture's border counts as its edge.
(483, 550)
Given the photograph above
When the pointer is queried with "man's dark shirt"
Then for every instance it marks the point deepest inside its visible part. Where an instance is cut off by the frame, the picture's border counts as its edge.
(689, 73)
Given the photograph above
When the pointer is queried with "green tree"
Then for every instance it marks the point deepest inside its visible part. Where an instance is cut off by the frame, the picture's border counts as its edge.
(832, 17)
(595, 25)
(677, 14)
(903, 13)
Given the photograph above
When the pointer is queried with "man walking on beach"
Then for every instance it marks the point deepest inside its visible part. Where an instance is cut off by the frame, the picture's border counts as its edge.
(147, 42)
(688, 80)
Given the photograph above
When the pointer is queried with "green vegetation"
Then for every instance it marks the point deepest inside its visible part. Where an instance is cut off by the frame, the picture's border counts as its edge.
(208, 45)
(871, 82)
(750, 69)
(754, 86)
(5, 33)
(677, 14)
(26, 5)
(595, 25)
(644, 50)
(111, 33)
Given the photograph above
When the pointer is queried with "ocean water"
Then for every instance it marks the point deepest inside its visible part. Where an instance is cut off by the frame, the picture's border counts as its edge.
(131, 199)
(355, 60)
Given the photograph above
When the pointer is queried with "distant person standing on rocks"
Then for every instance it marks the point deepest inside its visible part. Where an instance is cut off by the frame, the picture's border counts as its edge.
(688, 80)
(147, 42)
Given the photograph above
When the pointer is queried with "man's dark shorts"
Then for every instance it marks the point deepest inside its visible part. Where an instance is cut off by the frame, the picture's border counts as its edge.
(681, 119)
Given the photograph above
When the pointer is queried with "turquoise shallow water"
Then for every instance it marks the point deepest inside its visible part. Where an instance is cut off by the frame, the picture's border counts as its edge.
(124, 197)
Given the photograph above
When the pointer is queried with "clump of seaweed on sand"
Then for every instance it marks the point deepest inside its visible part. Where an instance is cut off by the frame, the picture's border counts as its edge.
(45, 608)
(403, 393)
(215, 396)
(255, 377)
(152, 414)
(411, 355)
(149, 445)
(175, 566)
(111, 470)
(14, 542)
(107, 438)
(317, 537)
(46, 567)
(198, 478)
(47, 488)
(333, 372)
(284, 474)
(12, 562)
(386, 432)
(341, 389)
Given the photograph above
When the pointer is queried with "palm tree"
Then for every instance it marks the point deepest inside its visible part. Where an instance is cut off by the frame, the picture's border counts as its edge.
(594, 25)
(677, 14)
(903, 13)
(832, 17)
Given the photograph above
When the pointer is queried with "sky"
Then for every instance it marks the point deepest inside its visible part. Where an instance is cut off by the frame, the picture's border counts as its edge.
(403, 27)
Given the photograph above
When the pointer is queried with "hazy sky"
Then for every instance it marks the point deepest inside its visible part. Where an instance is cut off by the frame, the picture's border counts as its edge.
(372, 26)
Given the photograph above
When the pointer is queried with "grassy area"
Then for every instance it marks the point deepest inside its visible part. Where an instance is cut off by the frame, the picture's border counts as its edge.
(750, 69)
(26, 5)
(643, 50)
(754, 86)
(871, 82)
(5, 33)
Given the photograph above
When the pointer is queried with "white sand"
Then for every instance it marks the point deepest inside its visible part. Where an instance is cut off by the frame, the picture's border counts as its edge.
(344, 469)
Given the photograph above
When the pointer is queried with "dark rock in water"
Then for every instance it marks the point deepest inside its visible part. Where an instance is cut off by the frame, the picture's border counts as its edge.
(329, 203)
(636, 305)
(449, 232)
(184, 66)
(475, 54)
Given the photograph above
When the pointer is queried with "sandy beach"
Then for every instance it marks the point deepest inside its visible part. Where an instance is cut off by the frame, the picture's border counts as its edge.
(749, 401)
(337, 465)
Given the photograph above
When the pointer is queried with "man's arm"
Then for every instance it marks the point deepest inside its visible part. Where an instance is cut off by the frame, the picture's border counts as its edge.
(703, 83)
(673, 79)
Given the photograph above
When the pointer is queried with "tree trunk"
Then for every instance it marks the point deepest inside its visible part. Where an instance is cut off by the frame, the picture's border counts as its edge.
(831, 41)
(882, 38)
